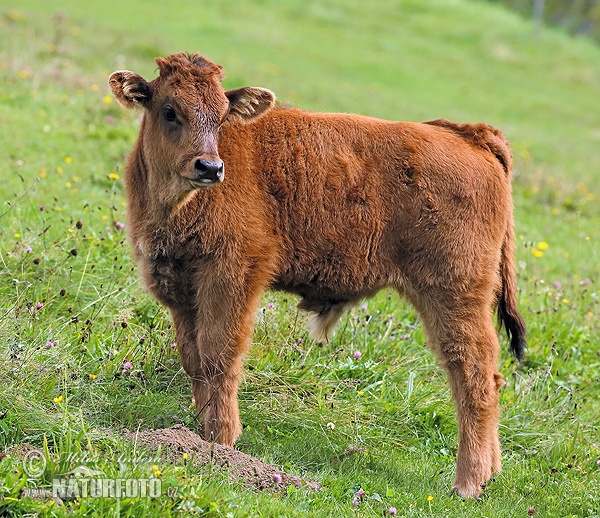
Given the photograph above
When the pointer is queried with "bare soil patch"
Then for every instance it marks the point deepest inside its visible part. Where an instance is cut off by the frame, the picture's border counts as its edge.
(242, 467)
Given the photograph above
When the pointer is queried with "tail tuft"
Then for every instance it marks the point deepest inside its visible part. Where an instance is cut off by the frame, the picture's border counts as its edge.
(514, 325)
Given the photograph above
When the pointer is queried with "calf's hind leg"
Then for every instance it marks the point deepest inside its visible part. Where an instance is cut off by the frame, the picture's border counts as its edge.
(465, 341)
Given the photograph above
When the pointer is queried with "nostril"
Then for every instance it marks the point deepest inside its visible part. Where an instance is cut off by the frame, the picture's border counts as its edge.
(200, 166)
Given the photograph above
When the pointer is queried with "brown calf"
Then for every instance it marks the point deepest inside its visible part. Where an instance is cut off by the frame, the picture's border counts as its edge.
(333, 208)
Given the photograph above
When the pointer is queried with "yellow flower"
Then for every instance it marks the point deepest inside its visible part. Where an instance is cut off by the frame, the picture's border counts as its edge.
(361, 393)
(113, 176)
(157, 472)
(107, 99)
(70, 230)
(75, 179)
(185, 456)
(94, 88)
(59, 170)
(23, 74)
(58, 399)
(92, 376)
(68, 160)
(17, 235)
(542, 245)
(549, 294)
(68, 185)
(537, 253)
(565, 301)
(430, 498)
(105, 218)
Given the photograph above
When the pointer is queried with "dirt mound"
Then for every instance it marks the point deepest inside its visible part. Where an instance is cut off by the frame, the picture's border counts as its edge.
(251, 471)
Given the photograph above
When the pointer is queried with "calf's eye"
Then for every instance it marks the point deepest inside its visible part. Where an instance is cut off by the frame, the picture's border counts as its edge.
(169, 114)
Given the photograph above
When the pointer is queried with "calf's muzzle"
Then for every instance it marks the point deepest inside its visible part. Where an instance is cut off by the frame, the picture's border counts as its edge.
(208, 171)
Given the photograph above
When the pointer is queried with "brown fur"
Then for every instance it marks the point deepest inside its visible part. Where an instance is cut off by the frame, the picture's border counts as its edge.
(333, 208)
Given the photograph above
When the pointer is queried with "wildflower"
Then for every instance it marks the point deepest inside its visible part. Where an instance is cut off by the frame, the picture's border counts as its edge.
(58, 399)
(392, 511)
(41, 208)
(68, 160)
(113, 176)
(277, 478)
(23, 74)
(92, 376)
(39, 306)
(542, 245)
(59, 170)
(271, 305)
(28, 250)
(94, 88)
(364, 307)
(128, 365)
(157, 472)
(361, 393)
(106, 99)
(557, 285)
(531, 511)
(361, 493)
(17, 235)
(330, 426)
(355, 502)
(537, 253)
(585, 282)
(565, 301)
(68, 185)
(430, 498)
(357, 355)
(49, 343)
(300, 340)
(173, 345)
(185, 456)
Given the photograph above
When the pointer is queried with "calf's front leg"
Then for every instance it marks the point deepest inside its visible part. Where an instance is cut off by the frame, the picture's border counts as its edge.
(211, 351)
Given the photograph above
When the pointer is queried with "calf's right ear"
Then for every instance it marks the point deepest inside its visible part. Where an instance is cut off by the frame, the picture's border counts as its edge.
(130, 89)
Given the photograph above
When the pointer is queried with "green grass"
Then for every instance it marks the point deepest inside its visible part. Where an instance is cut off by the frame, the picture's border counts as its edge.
(66, 275)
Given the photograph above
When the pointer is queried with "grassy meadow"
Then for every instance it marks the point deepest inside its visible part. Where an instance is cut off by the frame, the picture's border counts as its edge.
(86, 354)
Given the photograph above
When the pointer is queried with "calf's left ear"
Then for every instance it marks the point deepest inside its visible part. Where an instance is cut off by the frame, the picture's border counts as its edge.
(247, 104)
(130, 89)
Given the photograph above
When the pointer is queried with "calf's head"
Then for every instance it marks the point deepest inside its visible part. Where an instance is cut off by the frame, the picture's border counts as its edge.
(185, 108)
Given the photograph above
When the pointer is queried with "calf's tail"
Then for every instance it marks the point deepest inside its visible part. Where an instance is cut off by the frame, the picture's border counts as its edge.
(508, 313)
